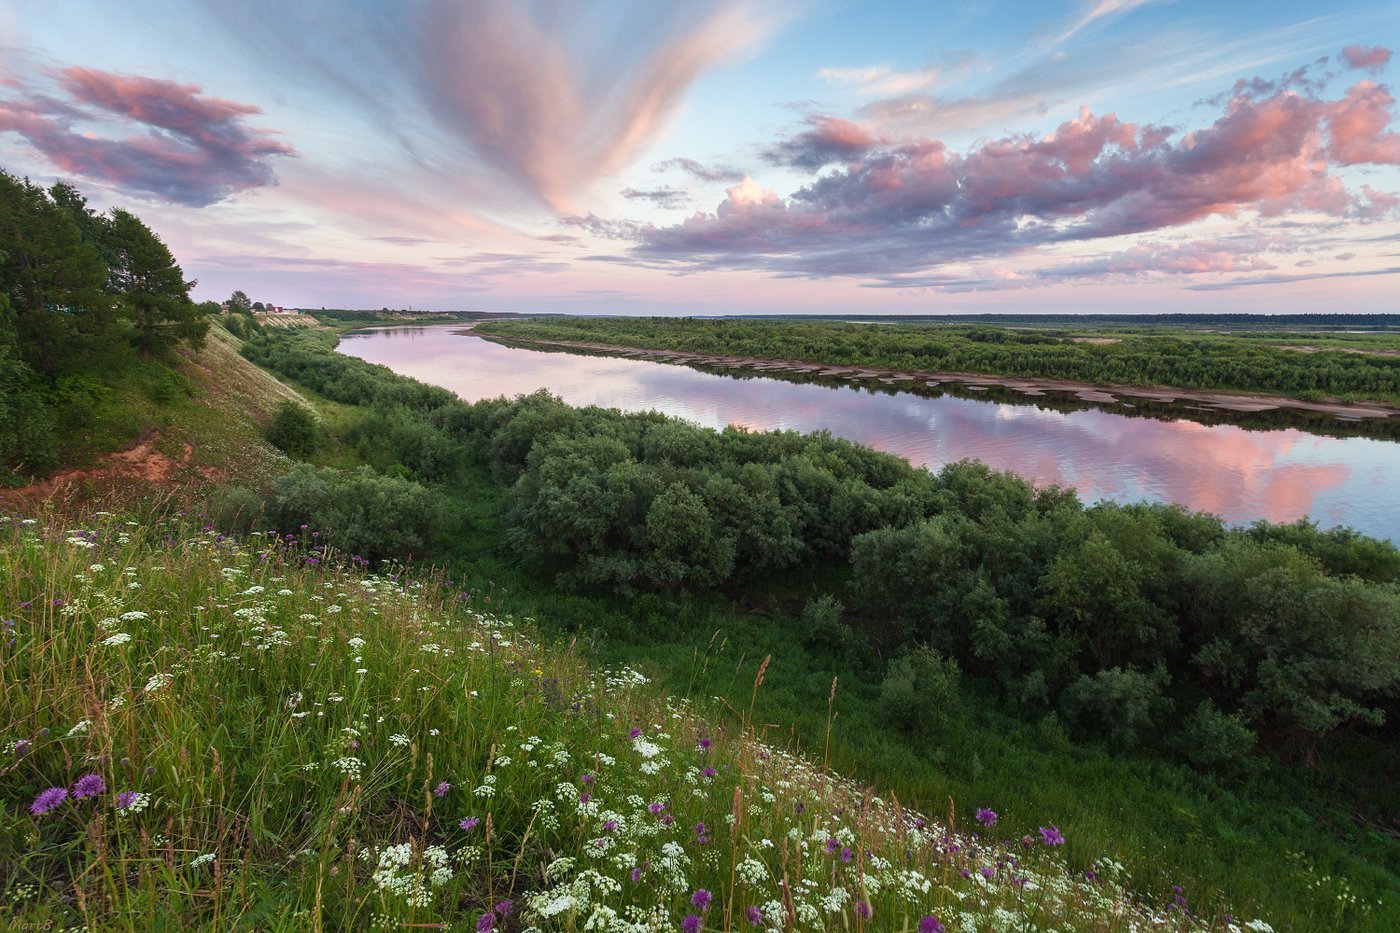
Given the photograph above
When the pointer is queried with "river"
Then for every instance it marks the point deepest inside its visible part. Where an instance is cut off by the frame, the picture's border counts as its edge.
(1105, 453)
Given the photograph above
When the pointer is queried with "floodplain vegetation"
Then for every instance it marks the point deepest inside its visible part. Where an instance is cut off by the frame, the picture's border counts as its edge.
(1280, 360)
(1145, 671)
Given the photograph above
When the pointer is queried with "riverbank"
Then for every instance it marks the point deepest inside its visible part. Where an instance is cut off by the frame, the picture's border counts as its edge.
(1089, 392)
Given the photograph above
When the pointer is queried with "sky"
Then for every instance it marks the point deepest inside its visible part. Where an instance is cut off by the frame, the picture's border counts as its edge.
(727, 156)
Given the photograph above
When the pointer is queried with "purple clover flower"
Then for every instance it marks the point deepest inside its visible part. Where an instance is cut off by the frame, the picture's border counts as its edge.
(986, 816)
(863, 910)
(485, 923)
(1052, 836)
(754, 915)
(691, 924)
(470, 823)
(847, 855)
(442, 789)
(504, 909)
(930, 924)
(701, 899)
(89, 785)
(48, 800)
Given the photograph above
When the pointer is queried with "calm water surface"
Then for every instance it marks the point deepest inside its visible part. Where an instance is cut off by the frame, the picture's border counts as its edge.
(1279, 475)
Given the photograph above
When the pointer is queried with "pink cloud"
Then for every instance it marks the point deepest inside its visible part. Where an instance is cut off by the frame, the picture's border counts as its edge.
(517, 89)
(1366, 59)
(902, 206)
(829, 139)
(196, 150)
(1358, 124)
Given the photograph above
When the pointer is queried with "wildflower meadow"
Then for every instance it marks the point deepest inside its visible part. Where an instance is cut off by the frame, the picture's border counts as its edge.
(205, 732)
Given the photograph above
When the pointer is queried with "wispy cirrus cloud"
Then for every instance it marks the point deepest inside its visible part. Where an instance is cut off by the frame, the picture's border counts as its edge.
(546, 98)
(193, 149)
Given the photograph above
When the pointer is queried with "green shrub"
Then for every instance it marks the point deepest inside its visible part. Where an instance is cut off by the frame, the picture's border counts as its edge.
(360, 512)
(1122, 704)
(920, 691)
(235, 510)
(1212, 739)
(823, 628)
(294, 430)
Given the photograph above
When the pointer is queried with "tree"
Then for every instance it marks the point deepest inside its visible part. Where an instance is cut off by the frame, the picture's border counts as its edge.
(152, 287)
(238, 303)
(52, 276)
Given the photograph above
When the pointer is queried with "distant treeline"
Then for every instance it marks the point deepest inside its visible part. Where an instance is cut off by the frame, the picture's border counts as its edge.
(343, 315)
(1252, 363)
(1147, 625)
(1273, 321)
(85, 299)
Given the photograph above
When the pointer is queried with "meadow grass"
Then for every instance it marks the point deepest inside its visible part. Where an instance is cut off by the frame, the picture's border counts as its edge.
(204, 733)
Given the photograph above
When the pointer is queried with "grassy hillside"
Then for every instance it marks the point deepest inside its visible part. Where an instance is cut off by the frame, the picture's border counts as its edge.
(167, 432)
(204, 733)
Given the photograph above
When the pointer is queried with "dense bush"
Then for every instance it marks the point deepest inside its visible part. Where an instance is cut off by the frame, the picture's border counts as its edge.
(359, 512)
(294, 430)
(235, 509)
(920, 690)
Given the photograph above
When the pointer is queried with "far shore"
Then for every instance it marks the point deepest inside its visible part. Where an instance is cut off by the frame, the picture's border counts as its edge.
(1089, 392)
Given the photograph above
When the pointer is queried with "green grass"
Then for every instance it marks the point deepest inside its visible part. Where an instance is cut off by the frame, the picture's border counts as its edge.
(272, 741)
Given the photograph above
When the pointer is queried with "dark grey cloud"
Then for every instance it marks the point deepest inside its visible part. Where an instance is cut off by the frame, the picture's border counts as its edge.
(662, 197)
(700, 171)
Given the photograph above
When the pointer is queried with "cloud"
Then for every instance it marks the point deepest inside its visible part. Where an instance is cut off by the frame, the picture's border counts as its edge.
(492, 99)
(829, 139)
(195, 150)
(1095, 10)
(1364, 59)
(886, 81)
(661, 197)
(403, 240)
(1357, 125)
(909, 206)
(707, 173)
(1284, 279)
(554, 115)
